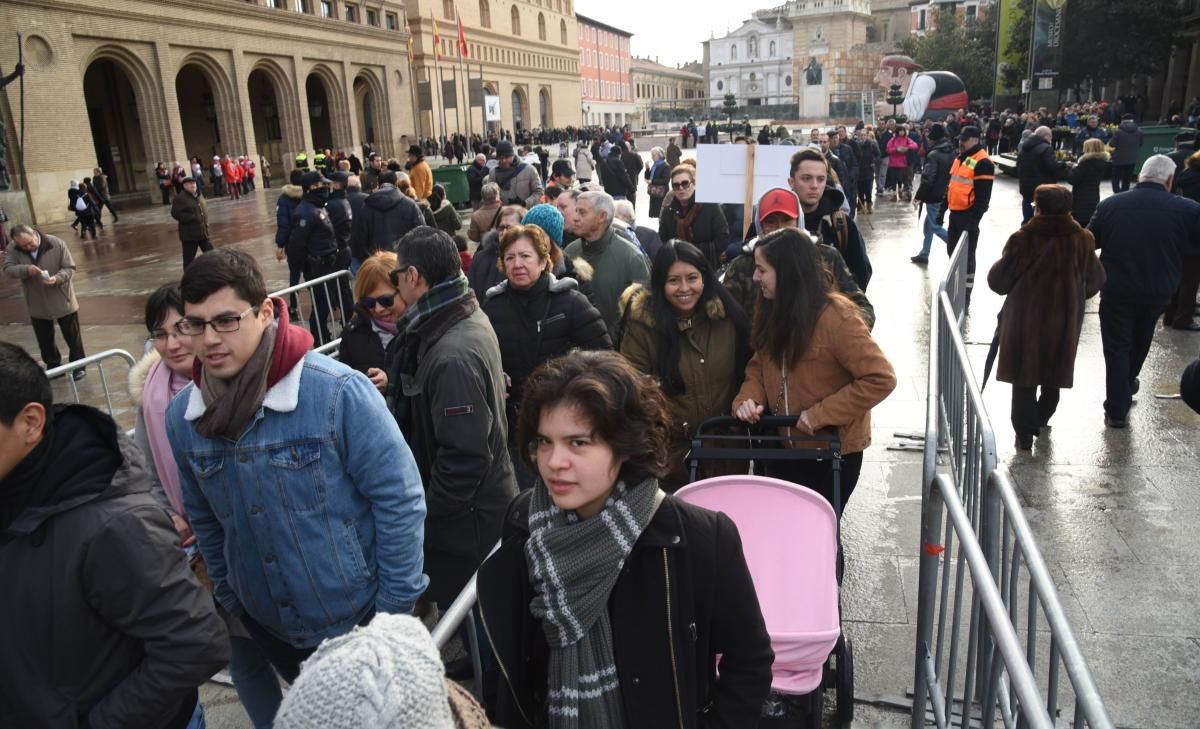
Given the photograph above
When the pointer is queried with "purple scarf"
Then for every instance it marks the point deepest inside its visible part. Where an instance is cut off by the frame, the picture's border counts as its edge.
(161, 385)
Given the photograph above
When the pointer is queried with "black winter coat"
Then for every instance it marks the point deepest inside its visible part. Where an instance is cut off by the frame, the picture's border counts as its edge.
(311, 233)
(533, 326)
(1085, 178)
(935, 175)
(361, 348)
(192, 215)
(387, 215)
(1143, 235)
(1189, 385)
(484, 274)
(615, 178)
(684, 598)
(710, 230)
(476, 176)
(1035, 165)
(103, 623)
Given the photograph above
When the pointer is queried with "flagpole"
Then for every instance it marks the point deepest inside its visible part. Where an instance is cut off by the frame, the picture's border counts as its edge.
(437, 54)
(463, 52)
(412, 90)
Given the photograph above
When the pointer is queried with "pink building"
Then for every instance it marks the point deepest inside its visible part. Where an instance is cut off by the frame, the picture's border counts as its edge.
(605, 74)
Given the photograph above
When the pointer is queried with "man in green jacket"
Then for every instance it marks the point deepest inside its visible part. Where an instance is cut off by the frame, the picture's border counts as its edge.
(614, 259)
(447, 392)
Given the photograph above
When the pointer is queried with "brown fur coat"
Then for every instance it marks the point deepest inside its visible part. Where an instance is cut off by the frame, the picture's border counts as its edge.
(1048, 270)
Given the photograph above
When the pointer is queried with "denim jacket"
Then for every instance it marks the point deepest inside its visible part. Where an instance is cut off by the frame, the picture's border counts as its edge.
(314, 517)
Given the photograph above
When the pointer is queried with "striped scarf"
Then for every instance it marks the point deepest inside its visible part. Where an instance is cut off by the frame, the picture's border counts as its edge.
(574, 565)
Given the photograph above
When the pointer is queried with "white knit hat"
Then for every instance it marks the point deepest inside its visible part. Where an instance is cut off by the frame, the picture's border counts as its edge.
(388, 675)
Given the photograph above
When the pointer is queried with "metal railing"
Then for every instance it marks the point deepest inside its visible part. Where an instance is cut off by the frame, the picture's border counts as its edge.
(330, 299)
(69, 368)
(976, 586)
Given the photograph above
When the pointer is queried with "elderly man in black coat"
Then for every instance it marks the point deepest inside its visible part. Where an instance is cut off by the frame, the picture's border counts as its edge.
(1036, 165)
(1143, 236)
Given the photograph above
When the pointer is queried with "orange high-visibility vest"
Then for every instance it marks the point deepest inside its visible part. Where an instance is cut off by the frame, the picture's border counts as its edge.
(960, 195)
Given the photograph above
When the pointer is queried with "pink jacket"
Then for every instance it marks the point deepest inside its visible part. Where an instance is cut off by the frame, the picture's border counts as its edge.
(898, 151)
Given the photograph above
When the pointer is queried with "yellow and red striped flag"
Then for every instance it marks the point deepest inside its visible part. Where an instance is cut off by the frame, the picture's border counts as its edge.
(463, 50)
(437, 38)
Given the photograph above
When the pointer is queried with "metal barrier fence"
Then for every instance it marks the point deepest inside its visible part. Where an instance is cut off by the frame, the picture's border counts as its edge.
(328, 296)
(98, 360)
(977, 587)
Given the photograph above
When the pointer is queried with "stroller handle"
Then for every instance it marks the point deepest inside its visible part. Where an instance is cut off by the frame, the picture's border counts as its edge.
(828, 436)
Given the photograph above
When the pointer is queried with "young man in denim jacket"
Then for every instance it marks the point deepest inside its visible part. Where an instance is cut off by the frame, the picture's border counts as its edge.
(303, 494)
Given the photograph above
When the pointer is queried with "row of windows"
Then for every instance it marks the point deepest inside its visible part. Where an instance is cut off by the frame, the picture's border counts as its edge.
(604, 38)
(491, 54)
(328, 9)
(608, 90)
(665, 91)
(449, 11)
(752, 49)
(485, 19)
(605, 61)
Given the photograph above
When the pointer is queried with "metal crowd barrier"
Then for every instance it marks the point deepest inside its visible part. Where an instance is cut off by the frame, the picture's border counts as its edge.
(973, 592)
(97, 359)
(333, 293)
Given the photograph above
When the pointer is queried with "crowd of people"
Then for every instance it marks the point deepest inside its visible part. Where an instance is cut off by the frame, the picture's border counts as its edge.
(286, 512)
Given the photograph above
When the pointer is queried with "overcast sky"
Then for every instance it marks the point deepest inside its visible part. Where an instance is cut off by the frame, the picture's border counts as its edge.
(672, 31)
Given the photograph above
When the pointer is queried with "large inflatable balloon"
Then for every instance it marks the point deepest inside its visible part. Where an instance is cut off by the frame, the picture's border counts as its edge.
(927, 94)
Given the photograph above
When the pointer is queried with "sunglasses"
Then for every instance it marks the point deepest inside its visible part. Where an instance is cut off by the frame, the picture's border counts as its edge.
(395, 275)
(681, 185)
(369, 302)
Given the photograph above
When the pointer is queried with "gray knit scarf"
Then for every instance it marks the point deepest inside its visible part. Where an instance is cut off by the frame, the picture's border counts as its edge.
(574, 565)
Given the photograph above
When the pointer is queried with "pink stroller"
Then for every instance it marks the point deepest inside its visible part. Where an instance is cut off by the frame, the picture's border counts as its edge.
(790, 539)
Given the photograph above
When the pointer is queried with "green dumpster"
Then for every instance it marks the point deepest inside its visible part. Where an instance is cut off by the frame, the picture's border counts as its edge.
(1158, 140)
(454, 179)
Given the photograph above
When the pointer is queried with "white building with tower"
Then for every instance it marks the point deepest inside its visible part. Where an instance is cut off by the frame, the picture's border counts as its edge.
(754, 63)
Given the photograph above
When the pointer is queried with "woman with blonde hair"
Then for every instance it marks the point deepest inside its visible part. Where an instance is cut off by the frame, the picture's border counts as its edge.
(377, 309)
(1085, 177)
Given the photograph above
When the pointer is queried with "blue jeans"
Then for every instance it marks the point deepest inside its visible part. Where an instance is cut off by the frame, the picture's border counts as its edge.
(932, 210)
(1026, 208)
(255, 681)
(197, 721)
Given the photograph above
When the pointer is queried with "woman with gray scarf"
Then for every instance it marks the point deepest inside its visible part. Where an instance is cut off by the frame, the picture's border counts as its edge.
(609, 602)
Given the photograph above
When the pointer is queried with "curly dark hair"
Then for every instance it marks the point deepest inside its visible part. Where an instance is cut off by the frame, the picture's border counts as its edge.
(626, 408)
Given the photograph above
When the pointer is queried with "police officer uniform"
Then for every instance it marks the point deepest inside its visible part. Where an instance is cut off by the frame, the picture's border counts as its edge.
(312, 239)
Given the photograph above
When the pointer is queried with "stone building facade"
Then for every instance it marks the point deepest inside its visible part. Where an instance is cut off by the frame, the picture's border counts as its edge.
(525, 51)
(659, 86)
(125, 84)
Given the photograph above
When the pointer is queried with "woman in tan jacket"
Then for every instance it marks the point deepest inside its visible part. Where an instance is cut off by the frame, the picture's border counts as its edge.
(687, 331)
(814, 359)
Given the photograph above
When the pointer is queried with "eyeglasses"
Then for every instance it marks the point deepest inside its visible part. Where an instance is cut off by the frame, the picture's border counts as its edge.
(161, 335)
(224, 324)
(395, 275)
(369, 302)
(681, 185)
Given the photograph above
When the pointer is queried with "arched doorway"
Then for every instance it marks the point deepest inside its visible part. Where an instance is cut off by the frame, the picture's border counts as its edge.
(319, 113)
(518, 110)
(364, 109)
(266, 112)
(199, 114)
(115, 119)
(544, 109)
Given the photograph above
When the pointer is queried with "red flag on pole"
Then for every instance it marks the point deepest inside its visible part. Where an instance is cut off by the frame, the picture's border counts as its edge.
(462, 38)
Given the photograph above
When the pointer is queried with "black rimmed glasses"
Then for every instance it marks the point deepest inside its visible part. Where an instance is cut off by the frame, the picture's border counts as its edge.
(223, 324)
(395, 275)
(681, 185)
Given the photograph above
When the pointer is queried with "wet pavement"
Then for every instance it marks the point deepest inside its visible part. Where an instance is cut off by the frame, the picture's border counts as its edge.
(1113, 510)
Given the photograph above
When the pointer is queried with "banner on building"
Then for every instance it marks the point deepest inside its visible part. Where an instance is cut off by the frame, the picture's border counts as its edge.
(491, 107)
(424, 96)
(1008, 53)
(449, 94)
(1048, 43)
(475, 91)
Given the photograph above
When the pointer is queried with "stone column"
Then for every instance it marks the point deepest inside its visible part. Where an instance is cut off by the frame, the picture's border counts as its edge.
(176, 146)
(301, 75)
(356, 134)
(241, 92)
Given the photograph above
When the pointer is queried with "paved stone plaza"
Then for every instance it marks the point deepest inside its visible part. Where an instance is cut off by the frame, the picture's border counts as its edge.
(1113, 510)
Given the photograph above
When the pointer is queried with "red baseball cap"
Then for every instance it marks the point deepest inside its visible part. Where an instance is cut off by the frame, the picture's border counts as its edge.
(779, 200)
